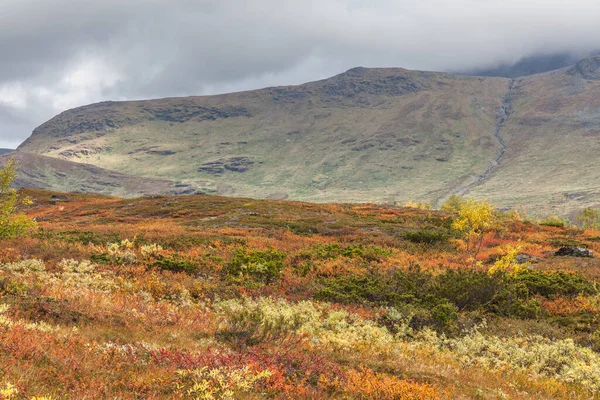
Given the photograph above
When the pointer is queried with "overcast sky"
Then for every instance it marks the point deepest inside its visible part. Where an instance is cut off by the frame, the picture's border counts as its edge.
(60, 54)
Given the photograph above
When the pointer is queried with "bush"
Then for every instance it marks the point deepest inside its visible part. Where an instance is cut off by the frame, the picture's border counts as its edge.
(554, 221)
(264, 266)
(427, 236)
(436, 298)
(333, 251)
(589, 218)
(175, 263)
(555, 284)
(12, 223)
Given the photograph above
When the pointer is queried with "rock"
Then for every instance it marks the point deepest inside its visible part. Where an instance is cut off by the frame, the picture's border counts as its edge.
(570, 251)
(588, 68)
(523, 258)
(233, 164)
(55, 198)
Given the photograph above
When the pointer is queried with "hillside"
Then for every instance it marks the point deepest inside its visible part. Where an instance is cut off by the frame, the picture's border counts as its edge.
(553, 138)
(367, 134)
(41, 172)
(180, 297)
(4, 151)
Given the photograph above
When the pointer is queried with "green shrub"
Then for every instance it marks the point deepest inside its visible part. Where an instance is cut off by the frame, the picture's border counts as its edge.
(561, 242)
(440, 295)
(589, 218)
(554, 221)
(264, 266)
(100, 258)
(555, 284)
(175, 263)
(333, 251)
(427, 236)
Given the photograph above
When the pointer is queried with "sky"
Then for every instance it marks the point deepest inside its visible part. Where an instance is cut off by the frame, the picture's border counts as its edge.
(61, 54)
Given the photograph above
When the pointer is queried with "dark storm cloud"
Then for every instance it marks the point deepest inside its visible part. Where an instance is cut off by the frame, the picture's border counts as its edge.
(63, 53)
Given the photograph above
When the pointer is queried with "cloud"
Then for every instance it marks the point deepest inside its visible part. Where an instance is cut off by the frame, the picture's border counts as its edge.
(65, 53)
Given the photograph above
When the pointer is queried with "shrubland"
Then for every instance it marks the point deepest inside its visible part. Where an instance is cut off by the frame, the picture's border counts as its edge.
(205, 297)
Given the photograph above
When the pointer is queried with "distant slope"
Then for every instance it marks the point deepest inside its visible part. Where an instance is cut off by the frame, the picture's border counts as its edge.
(40, 172)
(367, 134)
(4, 151)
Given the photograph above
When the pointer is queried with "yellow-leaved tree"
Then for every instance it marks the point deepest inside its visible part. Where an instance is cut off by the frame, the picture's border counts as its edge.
(12, 222)
(474, 219)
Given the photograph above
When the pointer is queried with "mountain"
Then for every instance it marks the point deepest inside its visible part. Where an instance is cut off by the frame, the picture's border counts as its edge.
(4, 151)
(366, 134)
(40, 172)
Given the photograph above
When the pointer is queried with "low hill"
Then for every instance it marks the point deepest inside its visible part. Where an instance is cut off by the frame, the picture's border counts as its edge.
(42, 172)
(4, 151)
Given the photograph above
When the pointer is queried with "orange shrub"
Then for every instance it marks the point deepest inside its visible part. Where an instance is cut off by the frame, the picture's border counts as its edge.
(366, 384)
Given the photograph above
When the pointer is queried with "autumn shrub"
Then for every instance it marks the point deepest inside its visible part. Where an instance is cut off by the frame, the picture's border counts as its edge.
(366, 384)
(12, 222)
(25, 266)
(473, 220)
(252, 321)
(557, 359)
(453, 203)
(225, 383)
(589, 218)
(263, 266)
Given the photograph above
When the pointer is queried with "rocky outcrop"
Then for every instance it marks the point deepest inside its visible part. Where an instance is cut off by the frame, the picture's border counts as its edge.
(184, 112)
(571, 251)
(588, 68)
(233, 164)
(523, 258)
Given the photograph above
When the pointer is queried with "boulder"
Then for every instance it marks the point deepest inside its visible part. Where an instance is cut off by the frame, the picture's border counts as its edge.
(571, 251)
(523, 258)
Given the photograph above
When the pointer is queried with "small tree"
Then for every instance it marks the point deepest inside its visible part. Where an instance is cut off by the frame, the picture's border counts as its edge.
(589, 218)
(12, 223)
(453, 204)
(473, 221)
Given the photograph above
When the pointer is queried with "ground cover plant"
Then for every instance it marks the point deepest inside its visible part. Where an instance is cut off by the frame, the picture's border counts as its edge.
(205, 297)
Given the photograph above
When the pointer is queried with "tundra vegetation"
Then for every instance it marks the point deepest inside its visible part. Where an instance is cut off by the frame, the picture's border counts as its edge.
(205, 297)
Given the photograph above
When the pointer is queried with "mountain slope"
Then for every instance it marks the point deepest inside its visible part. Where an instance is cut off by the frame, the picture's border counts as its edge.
(363, 135)
(367, 134)
(42, 172)
(553, 142)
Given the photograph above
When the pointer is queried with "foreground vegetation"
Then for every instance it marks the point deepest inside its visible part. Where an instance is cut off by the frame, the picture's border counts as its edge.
(208, 297)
